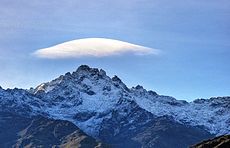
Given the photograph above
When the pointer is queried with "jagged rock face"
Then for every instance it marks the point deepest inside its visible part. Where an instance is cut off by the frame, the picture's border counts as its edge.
(132, 127)
(21, 102)
(18, 131)
(124, 121)
(218, 142)
(107, 109)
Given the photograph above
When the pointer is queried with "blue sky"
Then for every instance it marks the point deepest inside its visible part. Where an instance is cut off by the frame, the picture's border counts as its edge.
(193, 36)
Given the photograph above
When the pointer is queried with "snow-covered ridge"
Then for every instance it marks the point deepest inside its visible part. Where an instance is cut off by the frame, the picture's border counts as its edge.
(20, 101)
(87, 96)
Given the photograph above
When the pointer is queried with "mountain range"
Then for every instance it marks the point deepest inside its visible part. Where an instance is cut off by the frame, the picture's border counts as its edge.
(87, 108)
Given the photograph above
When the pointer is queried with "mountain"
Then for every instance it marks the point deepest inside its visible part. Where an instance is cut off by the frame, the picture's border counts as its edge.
(218, 142)
(19, 131)
(106, 109)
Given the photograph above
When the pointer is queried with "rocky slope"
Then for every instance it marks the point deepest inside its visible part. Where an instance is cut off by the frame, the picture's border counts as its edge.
(218, 142)
(19, 131)
(107, 109)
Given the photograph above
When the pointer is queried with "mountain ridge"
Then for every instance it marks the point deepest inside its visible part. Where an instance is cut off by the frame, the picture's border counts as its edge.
(18, 131)
(90, 99)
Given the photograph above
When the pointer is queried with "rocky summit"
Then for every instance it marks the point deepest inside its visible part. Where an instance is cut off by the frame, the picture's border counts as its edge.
(87, 108)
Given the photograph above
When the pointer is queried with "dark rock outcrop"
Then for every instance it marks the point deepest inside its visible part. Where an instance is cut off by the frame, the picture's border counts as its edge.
(218, 142)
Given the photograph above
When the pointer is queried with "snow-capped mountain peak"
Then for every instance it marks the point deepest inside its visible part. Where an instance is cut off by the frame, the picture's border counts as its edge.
(88, 97)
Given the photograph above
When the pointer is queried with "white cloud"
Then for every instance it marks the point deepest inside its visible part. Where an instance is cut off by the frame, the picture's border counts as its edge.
(95, 47)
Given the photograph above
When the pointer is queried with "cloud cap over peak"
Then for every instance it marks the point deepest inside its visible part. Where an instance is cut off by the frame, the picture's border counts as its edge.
(92, 47)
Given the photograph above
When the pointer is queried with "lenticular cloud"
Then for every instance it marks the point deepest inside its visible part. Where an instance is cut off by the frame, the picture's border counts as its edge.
(93, 47)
